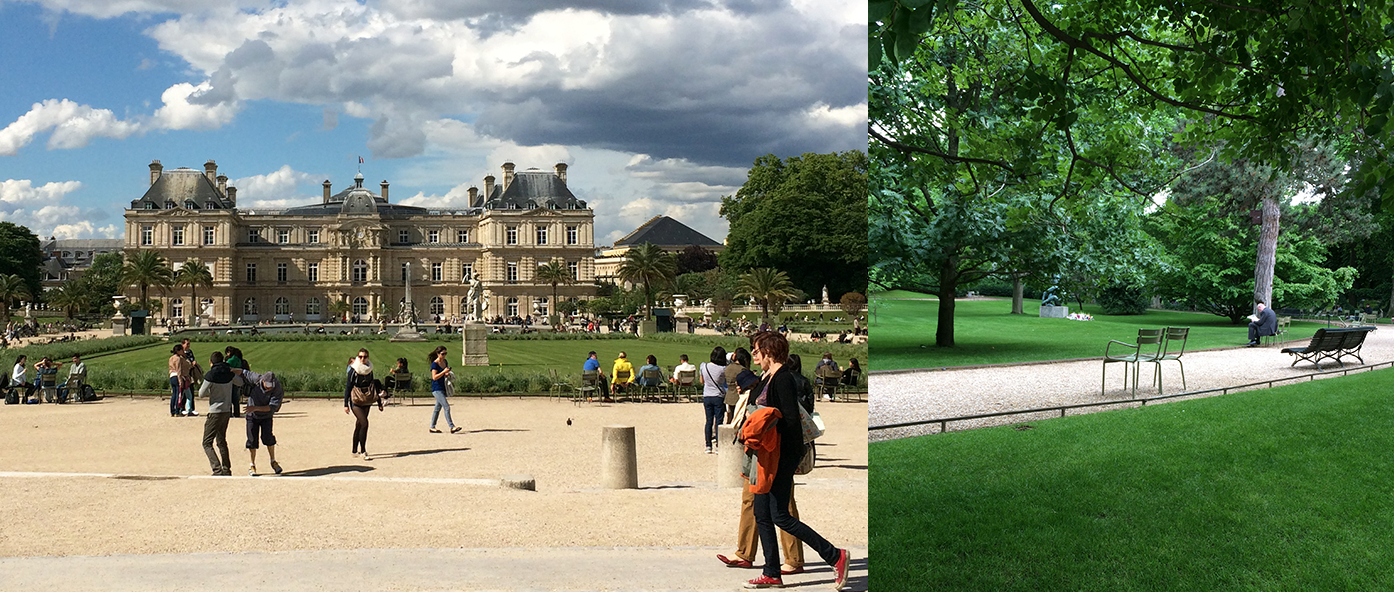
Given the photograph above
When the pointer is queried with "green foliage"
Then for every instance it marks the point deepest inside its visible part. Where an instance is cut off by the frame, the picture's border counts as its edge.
(144, 269)
(193, 273)
(12, 288)
(771, 288)
(696, 259)
(1122, 299)
(65, 350)
(70, 297)
(20, 255)
(804, 215)
(649, 266)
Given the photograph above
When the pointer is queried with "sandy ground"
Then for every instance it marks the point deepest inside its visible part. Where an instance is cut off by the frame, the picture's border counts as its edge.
(921, 395)
(122, 477)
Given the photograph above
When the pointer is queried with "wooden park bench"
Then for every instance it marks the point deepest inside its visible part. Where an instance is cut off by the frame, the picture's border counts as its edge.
(1332, 344)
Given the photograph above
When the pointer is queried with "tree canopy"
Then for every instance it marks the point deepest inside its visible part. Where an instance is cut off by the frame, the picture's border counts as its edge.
(20, 256)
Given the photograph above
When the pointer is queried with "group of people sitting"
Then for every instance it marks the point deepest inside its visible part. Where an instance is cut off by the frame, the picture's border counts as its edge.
(623, 376)
(21, 390)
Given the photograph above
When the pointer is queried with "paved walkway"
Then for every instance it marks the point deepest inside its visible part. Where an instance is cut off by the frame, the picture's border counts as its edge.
(911, 396)
(596, 568)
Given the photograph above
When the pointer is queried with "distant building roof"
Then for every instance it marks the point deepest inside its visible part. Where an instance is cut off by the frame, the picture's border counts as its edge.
(180, 186)
(663, 231)
(531, 189)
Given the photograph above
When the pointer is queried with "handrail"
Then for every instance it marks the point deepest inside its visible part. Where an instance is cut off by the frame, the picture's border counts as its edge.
(943, 422)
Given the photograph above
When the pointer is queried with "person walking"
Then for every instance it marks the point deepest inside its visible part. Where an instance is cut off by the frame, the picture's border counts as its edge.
(217, 386)
(440, 372)
(778, 390)
(737, 363)
(178, 371)
(713, 378)
(194, 376)
(360, 394)
(263, 401)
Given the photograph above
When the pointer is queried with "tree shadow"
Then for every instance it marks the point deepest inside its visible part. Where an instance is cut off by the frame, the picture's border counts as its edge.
(657, 487)
(498, 430)
(417, 452)
(325, 471)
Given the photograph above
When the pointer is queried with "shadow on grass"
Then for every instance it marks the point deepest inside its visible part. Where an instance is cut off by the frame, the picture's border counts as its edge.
(325, 471)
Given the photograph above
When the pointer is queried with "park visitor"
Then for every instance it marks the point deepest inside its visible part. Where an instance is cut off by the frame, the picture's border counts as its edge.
(77, 377)
(851, 375)
(19, 379)
(778, 390)
(683, 366)
(178, 372)
(651, 365)
(46, 367)
(1263, 324)
(592, 364)
(712, 375)
(440, 372)
(263, 401)
(217, 386)
(738, 378)
(621, 365)
(827, 361)
(360, 394)
(390, 382)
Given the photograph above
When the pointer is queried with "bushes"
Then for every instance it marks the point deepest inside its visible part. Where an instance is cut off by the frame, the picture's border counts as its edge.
(64, 351)
(331, 382)
(1121, 299)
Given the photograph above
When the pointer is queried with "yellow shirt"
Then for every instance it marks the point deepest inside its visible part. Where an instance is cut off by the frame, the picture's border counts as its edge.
(622, 365)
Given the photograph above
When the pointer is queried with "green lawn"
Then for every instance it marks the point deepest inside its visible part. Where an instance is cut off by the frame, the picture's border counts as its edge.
(985, 332)
(318, 365)
(1281, 489)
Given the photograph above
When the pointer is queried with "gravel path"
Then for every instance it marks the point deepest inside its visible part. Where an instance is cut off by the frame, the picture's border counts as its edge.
(911, 396)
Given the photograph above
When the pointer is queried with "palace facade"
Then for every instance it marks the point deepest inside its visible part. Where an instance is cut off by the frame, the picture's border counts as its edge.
(288, 265)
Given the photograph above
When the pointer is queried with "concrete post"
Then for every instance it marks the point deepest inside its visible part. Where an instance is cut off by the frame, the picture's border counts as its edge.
(619, 465)
(728, 458)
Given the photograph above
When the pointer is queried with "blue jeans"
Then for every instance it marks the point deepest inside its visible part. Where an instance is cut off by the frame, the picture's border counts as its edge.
(174, 398)
(441, 403)
(716, 408)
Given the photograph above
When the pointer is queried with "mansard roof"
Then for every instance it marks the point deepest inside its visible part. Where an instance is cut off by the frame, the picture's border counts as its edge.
(532, 189)
(663, 231)
(180, 186)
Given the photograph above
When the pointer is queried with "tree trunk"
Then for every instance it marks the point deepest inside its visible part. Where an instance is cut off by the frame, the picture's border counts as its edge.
(948, 285)
(1017, 294)
(193, 305)
(1267, 252)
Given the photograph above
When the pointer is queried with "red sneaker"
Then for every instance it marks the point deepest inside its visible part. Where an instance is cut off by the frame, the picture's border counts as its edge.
(764, 582)
(737, 562)
(840, 568)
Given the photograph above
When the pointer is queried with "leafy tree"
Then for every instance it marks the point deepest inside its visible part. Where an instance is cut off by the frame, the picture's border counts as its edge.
(102, 280)
(70, 297)
(20, 256)
(144, 269)
(193, 274)
(853, 303)
(554, 272)
(12, 288)
(804, 215)
(696, 259)
(650, 267)
(769, 287)
(339, 309)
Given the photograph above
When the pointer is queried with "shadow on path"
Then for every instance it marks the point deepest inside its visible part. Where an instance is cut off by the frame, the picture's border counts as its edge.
(417, 452)
(323, 471)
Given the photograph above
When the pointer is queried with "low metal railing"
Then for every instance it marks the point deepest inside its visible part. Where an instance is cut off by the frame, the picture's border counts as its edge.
(945, 421)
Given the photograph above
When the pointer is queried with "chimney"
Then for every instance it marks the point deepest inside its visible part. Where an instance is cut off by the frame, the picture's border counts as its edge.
(222, 184)
(155, 169)
(488, 186)
(507, 175)
(210, 168)
(326, 191)
(232, 196)
(384, 190)
(474, 196)
(561, 171)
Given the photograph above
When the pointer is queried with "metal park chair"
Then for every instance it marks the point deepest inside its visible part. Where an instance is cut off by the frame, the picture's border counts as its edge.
(590, 385)
(1147, 349)
(1173, 352)
(622, 384)
(559, 386)
(687, 383)
(651, 384)
(827, 379)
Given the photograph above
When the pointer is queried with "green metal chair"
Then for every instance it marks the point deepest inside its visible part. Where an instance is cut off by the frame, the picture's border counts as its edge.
(559, 386)
(687, 384)
(651, 384)
(1147, 349)
(590, 385)
(1172, 352)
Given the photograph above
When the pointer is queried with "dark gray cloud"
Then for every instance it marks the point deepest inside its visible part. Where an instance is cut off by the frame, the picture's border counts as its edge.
(517, 11)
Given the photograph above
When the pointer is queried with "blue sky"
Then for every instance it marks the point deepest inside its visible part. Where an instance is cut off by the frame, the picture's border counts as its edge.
(657, 107)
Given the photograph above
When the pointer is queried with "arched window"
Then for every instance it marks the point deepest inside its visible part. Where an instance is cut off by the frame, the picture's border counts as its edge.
(360, 271)
(249, 307)
(465, 307)
(312, 306)
(542, 305)
(360, 306)
(512, 307)
(437, 306)
(282, 306)
(176, 308)
(205, 306)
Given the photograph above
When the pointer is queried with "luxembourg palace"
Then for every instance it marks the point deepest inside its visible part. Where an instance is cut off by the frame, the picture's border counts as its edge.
(287, 265)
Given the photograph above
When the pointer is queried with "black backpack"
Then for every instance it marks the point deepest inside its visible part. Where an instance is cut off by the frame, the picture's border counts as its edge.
(12, 396)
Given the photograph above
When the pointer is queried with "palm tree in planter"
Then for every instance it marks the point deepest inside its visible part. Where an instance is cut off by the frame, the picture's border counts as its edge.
(769, 287)
(145, 269)
(648, 265)
(339, 308)
(193, 274)
(71, 297)
(554, 272)
(12, 288)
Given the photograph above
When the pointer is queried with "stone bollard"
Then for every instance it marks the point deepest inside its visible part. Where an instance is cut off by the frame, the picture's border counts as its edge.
(619, 465)
(728, 458)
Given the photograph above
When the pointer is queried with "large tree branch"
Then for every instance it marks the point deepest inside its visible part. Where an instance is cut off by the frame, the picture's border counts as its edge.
(949, 157)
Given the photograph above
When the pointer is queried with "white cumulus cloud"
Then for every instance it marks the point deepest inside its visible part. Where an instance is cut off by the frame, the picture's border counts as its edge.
(73, 126)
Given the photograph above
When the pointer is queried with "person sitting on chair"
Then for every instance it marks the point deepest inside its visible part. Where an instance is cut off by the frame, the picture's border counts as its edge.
(593, 364)
(390, 383)
(1264, 323)
(683, 366)
(651, 365)
(622, 364)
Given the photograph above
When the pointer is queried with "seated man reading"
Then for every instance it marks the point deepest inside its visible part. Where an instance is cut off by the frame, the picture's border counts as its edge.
(1263, 323)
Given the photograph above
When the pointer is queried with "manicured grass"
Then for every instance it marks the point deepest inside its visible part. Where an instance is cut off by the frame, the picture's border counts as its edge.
(985, 332)
(1281, 489)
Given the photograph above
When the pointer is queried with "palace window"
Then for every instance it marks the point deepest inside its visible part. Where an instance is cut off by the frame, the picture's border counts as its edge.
(147, 235)
(176, 308)
(571, 235)
(403, 236)
(542, 235)
(314, 237)
(282, 306)
(207, 235)
(511, 235)
(437, 306)
(512, 273)
(281, 273)
(177, 237)
(360, 306)
(433, 236)
(251, 273)
(462, 236)
(283, 236)
(312, 273)
(436, 272)
(405, 273)
(360, 271)
(249, 307)
(312, 306)
(512, 307)
(575, 270)
(467, 272)
(253, 235)
(542, 305)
